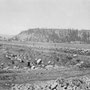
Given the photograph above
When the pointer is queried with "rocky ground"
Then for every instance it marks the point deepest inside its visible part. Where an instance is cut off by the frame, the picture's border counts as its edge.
(81, 83)
(23, 59)
(16, 57)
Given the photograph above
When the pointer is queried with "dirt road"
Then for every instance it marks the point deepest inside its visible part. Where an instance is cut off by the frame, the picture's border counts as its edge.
(40, 75)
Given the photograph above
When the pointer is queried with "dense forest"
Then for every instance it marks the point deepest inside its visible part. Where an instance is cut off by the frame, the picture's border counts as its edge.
(54, 35)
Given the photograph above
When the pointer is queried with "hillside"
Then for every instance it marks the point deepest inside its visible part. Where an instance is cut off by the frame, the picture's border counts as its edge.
(53, 35)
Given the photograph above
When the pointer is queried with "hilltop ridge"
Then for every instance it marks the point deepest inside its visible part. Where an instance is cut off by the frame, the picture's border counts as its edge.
(53, 35)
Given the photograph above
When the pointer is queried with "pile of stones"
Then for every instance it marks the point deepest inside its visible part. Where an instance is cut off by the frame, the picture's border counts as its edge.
(76, 51)
(82, 83)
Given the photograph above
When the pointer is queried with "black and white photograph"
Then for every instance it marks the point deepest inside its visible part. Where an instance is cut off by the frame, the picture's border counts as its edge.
(44, 44)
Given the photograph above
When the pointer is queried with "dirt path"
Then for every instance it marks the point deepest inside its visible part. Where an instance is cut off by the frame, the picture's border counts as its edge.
(47, 45)
(40, 75)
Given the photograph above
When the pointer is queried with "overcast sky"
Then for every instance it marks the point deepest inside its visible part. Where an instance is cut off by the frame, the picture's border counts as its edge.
(18, 15)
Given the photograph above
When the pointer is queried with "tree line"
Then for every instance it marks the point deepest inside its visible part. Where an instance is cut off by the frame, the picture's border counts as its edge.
(76, 35)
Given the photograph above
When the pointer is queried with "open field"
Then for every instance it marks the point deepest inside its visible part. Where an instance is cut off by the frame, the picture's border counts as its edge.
(47, 45)
(31, 62)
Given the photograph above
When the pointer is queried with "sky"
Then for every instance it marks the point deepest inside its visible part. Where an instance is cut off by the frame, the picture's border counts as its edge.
(18, 15)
